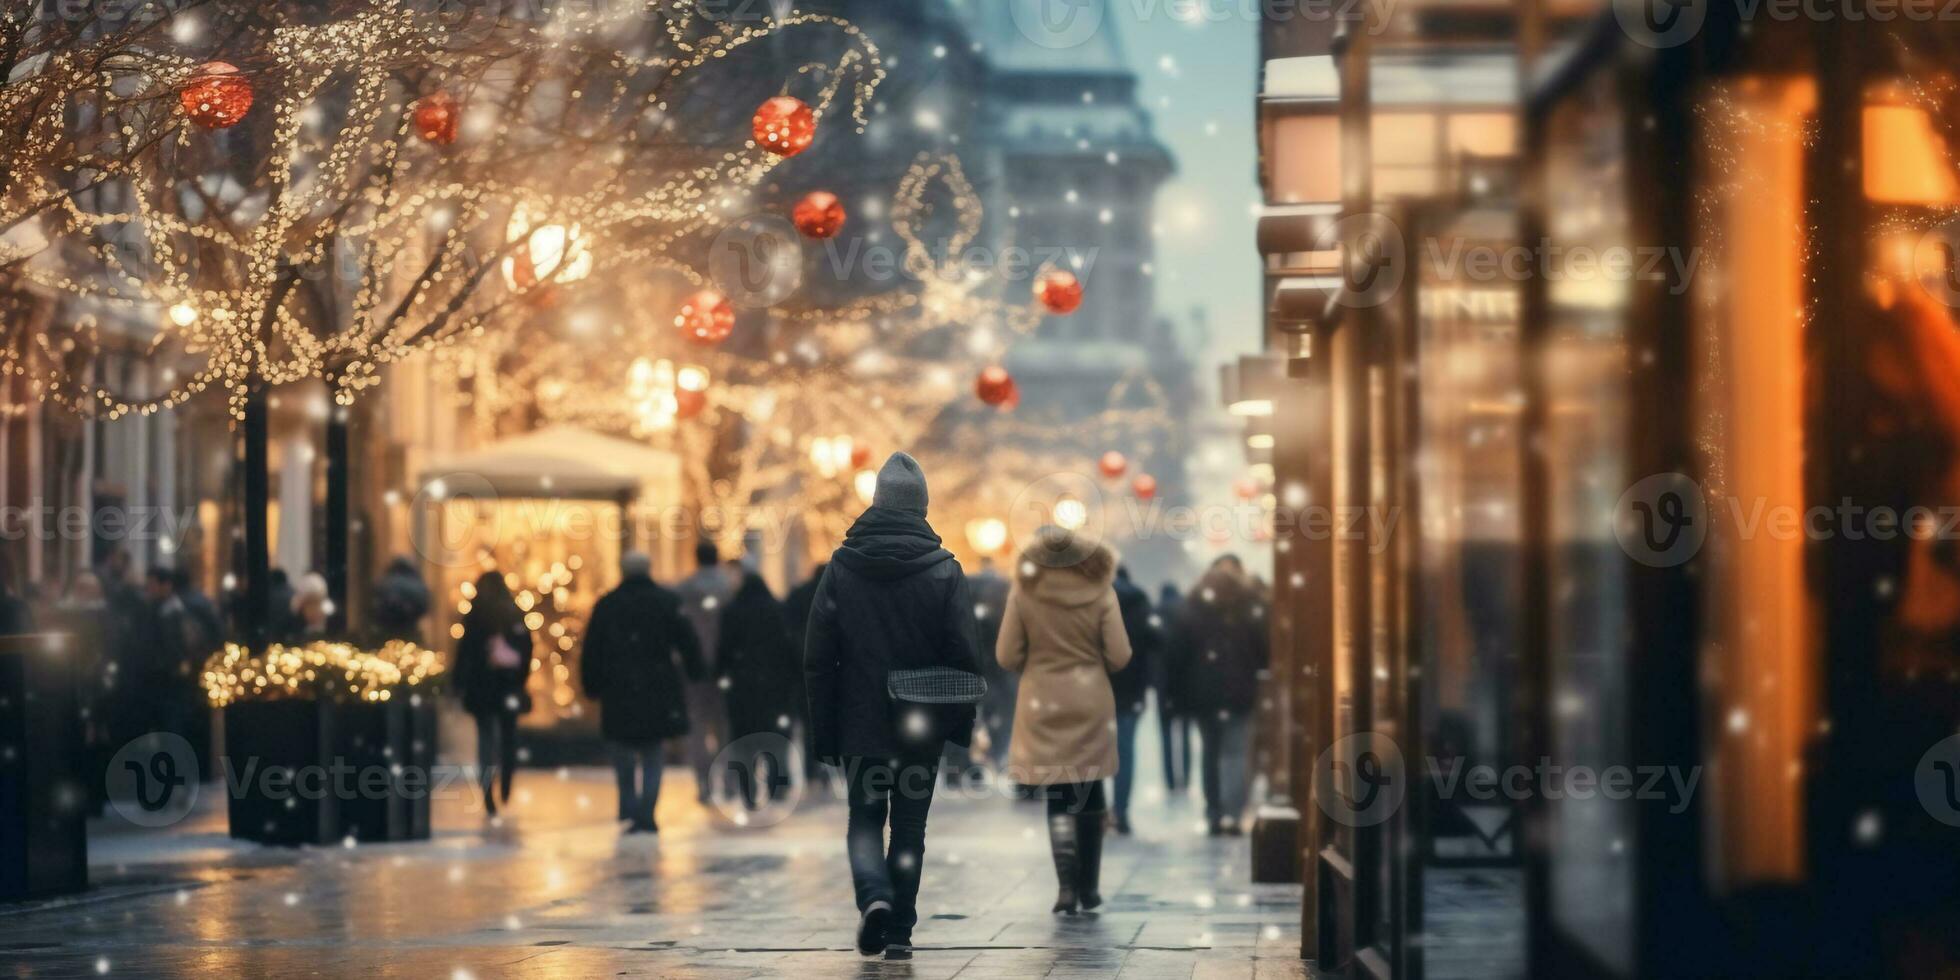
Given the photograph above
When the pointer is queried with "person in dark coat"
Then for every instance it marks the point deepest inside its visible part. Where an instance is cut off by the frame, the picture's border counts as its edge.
(703, 594)
(629, 666)
(990, 590)
(1132, 688)
(1222, 645)
(401, 600)
(796, 610)
(759, 672)
(493, 660)
(1173, 726)
(892, 599)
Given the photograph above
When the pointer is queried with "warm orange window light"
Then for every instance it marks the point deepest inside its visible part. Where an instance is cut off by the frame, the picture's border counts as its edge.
(1905, 159)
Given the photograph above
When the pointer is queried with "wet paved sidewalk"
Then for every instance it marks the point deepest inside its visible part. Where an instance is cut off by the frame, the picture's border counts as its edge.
(556, 891)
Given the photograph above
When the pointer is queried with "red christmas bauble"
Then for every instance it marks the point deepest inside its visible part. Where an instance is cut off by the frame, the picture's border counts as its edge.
(860, 457)
(217, 96)
(1113, 464)
(688, 403)
(1246, 487)
(1059, 291)
(785, 126)
(1144, 486)
(1013, 397)
(706, 318)
(996, 387)
(436, 118)
(819, 215)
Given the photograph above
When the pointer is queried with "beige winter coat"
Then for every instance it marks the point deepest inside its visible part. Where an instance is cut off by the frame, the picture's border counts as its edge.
(1062, 632)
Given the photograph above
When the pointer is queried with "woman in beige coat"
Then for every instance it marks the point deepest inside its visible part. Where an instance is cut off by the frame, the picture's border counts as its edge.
(1063, 633)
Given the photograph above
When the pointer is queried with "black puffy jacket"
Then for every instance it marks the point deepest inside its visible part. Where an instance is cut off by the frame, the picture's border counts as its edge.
(891, 599)
(639, 653)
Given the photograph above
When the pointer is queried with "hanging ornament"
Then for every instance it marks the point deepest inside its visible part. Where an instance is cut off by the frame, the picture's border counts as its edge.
(996, 387)
(1059, 291)
(1246, 487)
(217, 97)
(819, 215)
(1113, 464)
(1144, 486)
(688, 403)
(860, 457)
(707, 318)
(436, 118)
(785, 126)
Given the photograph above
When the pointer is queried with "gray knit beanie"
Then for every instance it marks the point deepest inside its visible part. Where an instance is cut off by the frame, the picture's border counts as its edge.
(901, 485)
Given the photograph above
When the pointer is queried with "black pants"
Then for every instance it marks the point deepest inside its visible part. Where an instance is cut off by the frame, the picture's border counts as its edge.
(496, 751)
(901, 791)
(637, 769)
(1176, 732)
(1075, 798)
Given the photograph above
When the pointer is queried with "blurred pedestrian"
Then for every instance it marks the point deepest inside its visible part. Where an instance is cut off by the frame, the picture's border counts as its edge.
(1173, 725)
(1222, 648)
(990, 590)
(891, 600)
(796, 610)
(83, 613)
(493, 661)
(629, 666)
(703, 595)
(1063, 633)
(758, 669)
(15, 615)
(1131, 686)
(170, 691)
(401, 600)
(306, 619)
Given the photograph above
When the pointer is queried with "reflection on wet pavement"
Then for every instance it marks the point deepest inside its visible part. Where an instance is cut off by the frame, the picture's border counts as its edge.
(554, 890)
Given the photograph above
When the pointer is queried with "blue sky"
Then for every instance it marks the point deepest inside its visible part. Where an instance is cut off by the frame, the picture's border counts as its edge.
(1199, 79)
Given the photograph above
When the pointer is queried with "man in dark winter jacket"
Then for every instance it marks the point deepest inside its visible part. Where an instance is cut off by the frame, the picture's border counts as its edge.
(628, 665)
(892, 599)
(1131, 685)
(1222, 648)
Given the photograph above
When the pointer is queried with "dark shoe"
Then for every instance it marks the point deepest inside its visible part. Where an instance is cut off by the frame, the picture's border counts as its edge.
(643, 827)
(1089, 847)
(898, 951)
(1068, 859)
(871, 928)
(1120, 824)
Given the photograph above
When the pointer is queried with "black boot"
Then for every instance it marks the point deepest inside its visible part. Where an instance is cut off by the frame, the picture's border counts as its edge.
(1062, 841)
(1088, 876)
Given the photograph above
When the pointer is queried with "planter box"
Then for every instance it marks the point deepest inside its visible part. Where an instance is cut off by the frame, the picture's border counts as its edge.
(43, 839)
(316, 772)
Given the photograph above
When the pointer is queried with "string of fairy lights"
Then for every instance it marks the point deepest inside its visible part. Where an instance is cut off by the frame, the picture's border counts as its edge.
(402, 169)
(334, 670)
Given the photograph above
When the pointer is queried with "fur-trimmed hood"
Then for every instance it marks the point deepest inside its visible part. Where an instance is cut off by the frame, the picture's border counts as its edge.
(1064, 568)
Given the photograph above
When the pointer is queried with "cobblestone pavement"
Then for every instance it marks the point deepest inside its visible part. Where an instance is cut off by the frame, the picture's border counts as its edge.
(555, 891)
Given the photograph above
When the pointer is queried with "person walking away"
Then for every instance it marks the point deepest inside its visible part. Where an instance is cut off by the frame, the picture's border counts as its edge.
(760, 679)
(1173, 726)
(401, 600)
(169, 685)
(1222, 630)
(1063, 633)
(1131, 685)
(990, 590)
(493, 660)
(796, 612)
(703, 595)
(892, 599)
(640, 653)
(311, 609)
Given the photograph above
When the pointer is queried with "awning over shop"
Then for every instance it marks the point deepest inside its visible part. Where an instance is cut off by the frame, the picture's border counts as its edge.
(562, 461)
(1291, 228)
(1299, 302)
